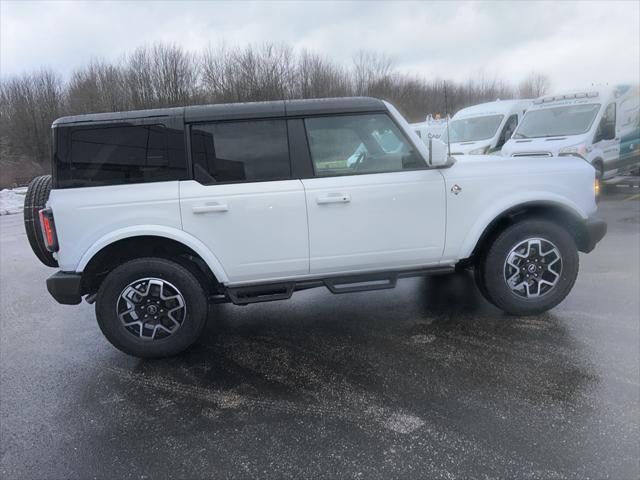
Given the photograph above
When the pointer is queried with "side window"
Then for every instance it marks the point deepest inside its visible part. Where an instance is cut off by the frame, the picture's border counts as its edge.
(629, 112)
(509, 127)
(244, 151)
(119, 154)
(607, 127)
(353, 144)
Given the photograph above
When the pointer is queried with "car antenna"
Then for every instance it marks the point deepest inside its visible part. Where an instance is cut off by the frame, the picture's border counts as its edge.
(446, 117)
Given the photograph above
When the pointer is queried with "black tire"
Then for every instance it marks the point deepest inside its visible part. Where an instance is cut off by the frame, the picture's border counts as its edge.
(491, 266)
(34, 201)
(126, 340)
(482, 288)
(599, 166)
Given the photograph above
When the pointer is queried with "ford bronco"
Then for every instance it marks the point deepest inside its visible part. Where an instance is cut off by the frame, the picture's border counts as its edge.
(154, 214)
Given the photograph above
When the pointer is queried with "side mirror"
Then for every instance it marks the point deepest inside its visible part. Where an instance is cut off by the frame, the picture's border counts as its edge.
(438, 152)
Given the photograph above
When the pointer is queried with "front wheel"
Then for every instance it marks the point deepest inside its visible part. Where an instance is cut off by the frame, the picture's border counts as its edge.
(598, 165)
(151, 307)
(530, 267)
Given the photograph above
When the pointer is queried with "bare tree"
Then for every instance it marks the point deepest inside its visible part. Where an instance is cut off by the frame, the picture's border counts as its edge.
(174, 75)
(100, 87)
(138, 72)
(318, 77)
(533, 86)
(163, 75)
(369, 68)
(28, 105)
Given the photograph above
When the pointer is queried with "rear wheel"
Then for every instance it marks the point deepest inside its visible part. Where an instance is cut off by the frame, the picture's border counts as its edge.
(151, 307)
(530, 267)
(34, 201)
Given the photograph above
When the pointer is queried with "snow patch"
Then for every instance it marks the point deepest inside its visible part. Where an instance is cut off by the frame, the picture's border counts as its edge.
(12, 201)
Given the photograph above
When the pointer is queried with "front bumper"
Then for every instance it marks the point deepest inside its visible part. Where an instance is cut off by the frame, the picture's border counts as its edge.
(594, 230)
(65, 287)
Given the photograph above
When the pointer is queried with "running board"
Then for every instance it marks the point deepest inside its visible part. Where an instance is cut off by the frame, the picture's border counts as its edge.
(361, 283)
(260, 293)
(245, 295)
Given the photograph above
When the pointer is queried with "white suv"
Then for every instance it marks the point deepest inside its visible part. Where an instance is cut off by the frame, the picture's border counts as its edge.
(153, 214)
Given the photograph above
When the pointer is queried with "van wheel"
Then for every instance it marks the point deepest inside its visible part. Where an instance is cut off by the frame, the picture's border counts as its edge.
(151, 307)
(530, 267)
(599, 170)
(34, 201)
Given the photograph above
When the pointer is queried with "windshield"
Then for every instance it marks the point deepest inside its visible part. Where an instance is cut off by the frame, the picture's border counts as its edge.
(474, 128)
(557, 121)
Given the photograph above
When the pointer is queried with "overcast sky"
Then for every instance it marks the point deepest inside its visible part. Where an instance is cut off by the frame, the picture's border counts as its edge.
(574, 43)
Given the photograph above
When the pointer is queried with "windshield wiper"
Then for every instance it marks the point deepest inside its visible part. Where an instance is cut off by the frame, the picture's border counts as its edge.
(520, 135)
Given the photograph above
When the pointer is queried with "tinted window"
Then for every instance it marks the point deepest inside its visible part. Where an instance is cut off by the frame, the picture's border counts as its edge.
(353, 144)
(247, 151)
(118, 154)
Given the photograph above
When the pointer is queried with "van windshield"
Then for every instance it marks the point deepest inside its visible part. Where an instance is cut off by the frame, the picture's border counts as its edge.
(473, 128)
(557, 121)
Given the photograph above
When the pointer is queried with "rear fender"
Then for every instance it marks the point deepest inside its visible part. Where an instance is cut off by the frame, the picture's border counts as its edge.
(158, 231)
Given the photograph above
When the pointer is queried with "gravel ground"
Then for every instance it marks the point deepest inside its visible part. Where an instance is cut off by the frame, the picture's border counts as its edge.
(424, 381)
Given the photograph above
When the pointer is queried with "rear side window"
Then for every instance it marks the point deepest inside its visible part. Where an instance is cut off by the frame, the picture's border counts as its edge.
(243, 151)
(118, 154)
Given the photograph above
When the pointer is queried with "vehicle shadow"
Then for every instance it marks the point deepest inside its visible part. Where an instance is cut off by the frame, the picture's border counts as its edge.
(356, 353)
(429, 360)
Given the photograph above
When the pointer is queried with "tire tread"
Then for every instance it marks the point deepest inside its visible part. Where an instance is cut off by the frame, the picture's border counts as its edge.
(35, 199)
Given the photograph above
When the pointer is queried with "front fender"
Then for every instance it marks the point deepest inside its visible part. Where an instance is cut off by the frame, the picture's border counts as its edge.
(158, 231)
(465, 246)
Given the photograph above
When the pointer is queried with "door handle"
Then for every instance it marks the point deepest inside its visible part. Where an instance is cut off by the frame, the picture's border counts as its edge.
(333, 198)
(210, 207)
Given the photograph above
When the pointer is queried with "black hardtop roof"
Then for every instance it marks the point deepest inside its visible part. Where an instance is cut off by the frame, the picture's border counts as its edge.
(236, 111)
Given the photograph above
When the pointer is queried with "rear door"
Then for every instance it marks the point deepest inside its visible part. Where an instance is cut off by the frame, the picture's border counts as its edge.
(243, 203)
(372, 202)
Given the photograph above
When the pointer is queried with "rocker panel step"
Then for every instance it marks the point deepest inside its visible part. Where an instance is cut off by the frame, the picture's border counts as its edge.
(244, 295)
(361, 283)
(260, 293)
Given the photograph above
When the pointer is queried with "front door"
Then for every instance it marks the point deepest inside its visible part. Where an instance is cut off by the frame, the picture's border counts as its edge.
(606, 140)
(373, 204)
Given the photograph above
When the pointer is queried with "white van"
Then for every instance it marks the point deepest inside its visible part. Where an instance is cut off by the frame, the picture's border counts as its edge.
(484, 128)
(431, 128)
(599, 125)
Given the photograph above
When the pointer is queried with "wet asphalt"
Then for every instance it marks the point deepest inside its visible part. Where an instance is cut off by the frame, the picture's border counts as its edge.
(424, 381)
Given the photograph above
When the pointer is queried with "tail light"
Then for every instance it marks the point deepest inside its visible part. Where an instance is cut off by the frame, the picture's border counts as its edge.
(596, 189)
(48, 229)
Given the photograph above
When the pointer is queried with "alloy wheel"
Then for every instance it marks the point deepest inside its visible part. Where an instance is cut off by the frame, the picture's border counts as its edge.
(533, 268)
(151, 308)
